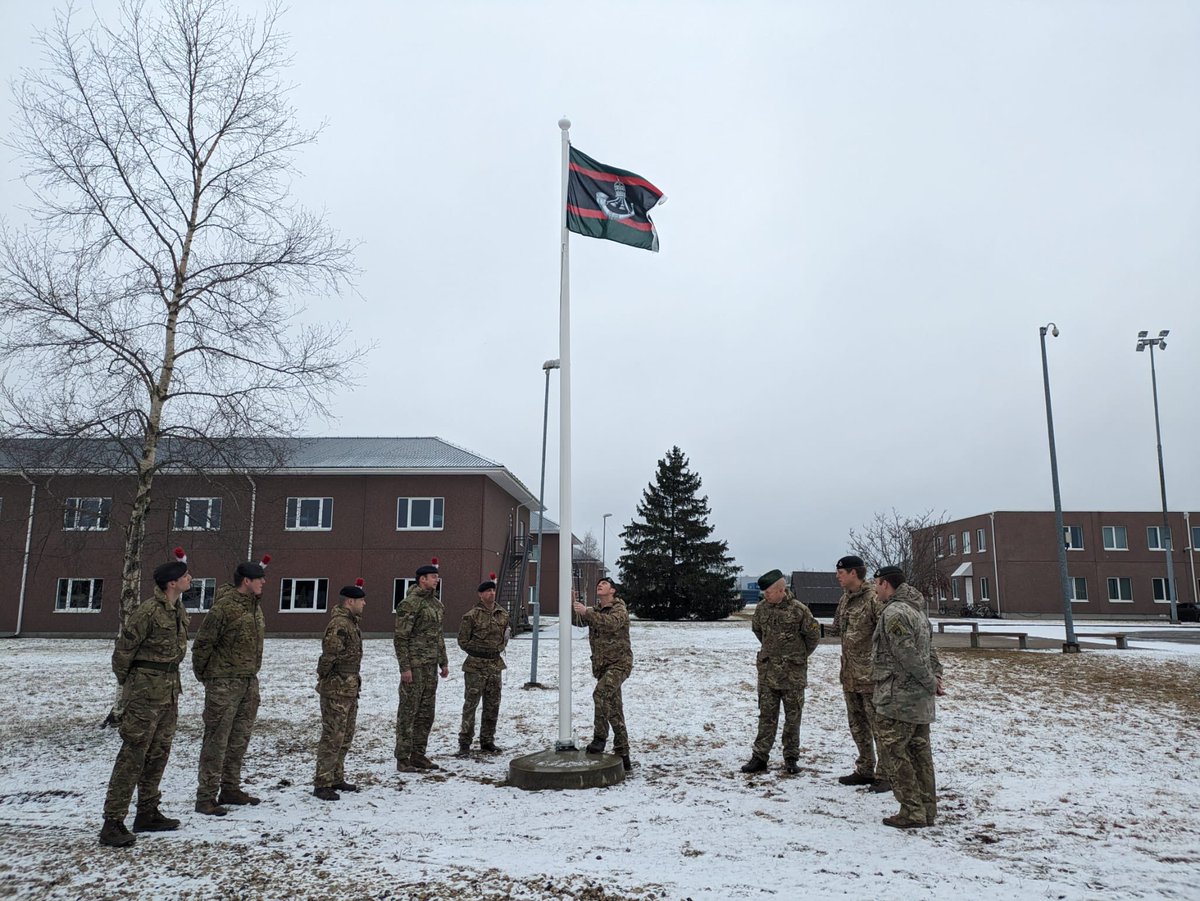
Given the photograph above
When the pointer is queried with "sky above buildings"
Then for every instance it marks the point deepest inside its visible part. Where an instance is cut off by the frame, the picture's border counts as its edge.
(872, 207)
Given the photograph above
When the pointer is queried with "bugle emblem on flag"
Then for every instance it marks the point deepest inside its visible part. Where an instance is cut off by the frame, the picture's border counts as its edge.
(610, 203)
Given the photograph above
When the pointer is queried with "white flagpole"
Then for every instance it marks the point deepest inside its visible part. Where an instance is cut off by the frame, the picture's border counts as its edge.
(566, 740)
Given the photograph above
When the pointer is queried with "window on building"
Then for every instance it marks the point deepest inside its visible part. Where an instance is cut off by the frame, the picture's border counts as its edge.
(954, 590)
(535, 553)
(1074, 537)
(86, 514)
(425, 513)
(198, 514)
(985, 590)
(78, 595)
(967, 542)
(1195, 538)
(1154, 538)
(1116, 538)
(401, 587)
(1161, 587)
(314, 513)
(199, 597)
(303, 595)
(938, 545)
(1078, 586)
(1120, 589)
(980, 540)
(953, 544)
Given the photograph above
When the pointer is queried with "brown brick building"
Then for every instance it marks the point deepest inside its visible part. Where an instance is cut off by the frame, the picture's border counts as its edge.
(1115, 562)
(337, 509)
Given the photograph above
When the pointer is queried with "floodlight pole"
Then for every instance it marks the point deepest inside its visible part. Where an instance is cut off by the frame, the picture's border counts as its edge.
(1167, 542)
(1071, 646)
(537, 589)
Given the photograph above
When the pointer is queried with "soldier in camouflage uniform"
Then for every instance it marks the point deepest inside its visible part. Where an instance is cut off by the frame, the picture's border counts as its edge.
(339, 683)
(612, 662)
(857, 613)
(907, 678)
(146, 662)
(789, 633)
(226, 658)
(421, 654)
(483, 634)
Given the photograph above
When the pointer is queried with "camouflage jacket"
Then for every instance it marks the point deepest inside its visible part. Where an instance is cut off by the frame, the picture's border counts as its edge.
(608, 635)
(339, 667)
(156, 632)
(418, 638)
(904, 663)
(789, 633)
(484, 635)
(230, 640)
(855, 619)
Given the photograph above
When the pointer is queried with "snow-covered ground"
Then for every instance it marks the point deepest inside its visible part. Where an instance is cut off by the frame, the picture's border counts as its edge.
(1059, 776)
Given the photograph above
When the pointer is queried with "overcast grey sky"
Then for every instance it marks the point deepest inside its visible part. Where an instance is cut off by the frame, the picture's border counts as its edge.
(872, 208)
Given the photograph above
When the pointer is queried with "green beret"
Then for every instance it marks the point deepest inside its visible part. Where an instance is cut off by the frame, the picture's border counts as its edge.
(767, 579)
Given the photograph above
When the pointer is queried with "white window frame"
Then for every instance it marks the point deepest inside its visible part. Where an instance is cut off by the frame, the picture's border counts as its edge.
(953, 544)
(405, 504)
(1195, 538)
(292, 523)
(939, 544)
(95, 595)
(955, 588)
(1127, 582)
(1110, 534)
(287, 596)
(1158, 537)
(1069, 535)
(1158, 585)
(400, 589)
(1075, 582)
(980, 540)
(183, 521)
(985, 588)
(207, 591)
(74, 509)
(966, 541)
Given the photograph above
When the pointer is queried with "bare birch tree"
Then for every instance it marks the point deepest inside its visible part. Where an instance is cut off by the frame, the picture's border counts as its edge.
(910, 542)
(150, 301)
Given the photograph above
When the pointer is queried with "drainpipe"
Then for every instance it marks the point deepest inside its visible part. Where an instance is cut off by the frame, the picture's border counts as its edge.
(1187, 531)
(25, 561)
(996, 564)
(253, 502)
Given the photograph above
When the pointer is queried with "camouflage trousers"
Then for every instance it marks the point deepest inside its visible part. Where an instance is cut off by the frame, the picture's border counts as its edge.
(147, 729)
(485, 686)
(911, 760)
(339, 714)
(769, 700)
(610, 708)
(414, 713)
(860, 711)
(230, 708)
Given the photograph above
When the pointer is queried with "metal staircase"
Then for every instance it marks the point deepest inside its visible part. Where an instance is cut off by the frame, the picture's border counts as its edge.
(510, 580)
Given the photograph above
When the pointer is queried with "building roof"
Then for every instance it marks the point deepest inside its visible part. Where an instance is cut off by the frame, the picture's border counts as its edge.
(309, 455)
(551, 527)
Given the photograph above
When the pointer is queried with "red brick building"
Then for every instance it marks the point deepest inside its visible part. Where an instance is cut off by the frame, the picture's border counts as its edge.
(337, 509)
(1115, 562)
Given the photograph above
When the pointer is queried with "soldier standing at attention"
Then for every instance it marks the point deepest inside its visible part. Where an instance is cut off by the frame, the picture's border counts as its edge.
(857, 613)
(421, 653)
(339, 684)
(483, 634)
(788, 633)
(226, 657)
(907, 678)
(146, 662)
(612, 662)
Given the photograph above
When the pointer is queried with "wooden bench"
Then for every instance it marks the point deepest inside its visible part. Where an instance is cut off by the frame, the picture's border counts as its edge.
(1021, 637)
(958, 622)
(1121, 638)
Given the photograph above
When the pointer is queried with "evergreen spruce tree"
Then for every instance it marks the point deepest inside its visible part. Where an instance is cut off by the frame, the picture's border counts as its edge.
(672, 569)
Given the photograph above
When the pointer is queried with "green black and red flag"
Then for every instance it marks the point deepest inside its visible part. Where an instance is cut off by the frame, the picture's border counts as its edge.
(606, 202)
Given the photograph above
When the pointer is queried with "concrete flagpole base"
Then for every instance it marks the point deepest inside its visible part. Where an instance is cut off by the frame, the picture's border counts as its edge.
(565, 769)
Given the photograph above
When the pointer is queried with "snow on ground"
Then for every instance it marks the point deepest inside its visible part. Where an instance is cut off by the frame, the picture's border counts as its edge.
(1059, 776)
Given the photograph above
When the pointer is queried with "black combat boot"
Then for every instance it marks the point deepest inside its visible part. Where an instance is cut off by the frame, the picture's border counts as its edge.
(210, 808)
(881, 786)
(490, 747)
(154, 821)
(856, 778)
(421, 762)
(597, 746)
(754, 765)
(626, 762)
(115, 835)
(344, 786)
(464, 749)
(791, 767)
(236, 797)
(326, 793)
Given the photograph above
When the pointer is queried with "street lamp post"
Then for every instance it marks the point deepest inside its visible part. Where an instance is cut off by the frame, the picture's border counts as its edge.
(604, 544)
(1071, 646)
(537, 582)
(1161, 343)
